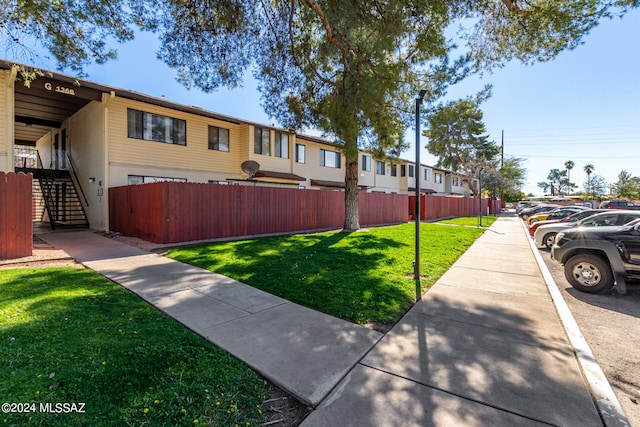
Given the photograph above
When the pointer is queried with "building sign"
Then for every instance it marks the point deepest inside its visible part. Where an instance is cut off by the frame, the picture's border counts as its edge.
(60, 89)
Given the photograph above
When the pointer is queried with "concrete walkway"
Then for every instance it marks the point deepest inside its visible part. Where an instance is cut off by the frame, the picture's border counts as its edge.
(303, 351)
(484, 347)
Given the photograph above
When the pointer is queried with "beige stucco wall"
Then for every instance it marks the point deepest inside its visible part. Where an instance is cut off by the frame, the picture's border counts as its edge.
(311, 169)
(386, 183)
(366, 178)
(85, 146)
(439, 187)
(129, 156)
(271, 162)
(6, 120)
(119, 174)
(45, 149)
(427, 183)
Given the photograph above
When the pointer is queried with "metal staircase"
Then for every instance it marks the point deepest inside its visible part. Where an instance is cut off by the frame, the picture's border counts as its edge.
(60, 193)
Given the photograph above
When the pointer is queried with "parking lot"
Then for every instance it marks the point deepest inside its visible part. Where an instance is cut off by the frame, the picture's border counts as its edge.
(611, 325)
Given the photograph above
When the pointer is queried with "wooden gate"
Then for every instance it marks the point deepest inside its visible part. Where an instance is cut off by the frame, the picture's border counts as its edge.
(16, 232)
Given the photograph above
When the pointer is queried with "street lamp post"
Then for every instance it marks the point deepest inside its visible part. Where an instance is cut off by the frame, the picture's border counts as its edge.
(480, 197)
(416, 262)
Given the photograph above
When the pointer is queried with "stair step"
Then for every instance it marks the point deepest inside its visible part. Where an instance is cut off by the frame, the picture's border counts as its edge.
(57, 188)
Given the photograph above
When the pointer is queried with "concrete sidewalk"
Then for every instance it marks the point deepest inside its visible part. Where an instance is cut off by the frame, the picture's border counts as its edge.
(484, 347)
(303, 351)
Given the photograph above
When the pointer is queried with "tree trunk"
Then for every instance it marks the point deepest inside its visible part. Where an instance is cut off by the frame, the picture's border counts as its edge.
(351, 215)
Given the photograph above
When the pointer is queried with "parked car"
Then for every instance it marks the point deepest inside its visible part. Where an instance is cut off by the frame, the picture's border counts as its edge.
(618, 204)
(574, 217)
(525, 205)
(545, 235)
(526, 213)
(596, 258)
(557, 213)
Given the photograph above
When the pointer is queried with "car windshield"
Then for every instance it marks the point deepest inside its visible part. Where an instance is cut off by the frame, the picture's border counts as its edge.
(607, 219)
(618, 218)
(581, 215)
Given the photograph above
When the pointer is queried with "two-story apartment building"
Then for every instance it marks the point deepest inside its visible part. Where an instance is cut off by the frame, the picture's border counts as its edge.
(112, 137)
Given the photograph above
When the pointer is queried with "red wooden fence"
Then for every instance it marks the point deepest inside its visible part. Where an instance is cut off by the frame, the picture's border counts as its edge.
(16, 232)
(169, 212)
(433, 207)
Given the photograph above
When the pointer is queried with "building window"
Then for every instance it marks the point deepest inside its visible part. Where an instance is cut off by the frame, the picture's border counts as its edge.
(282, 145)
(455, 181)
(427, 174)
(394, 170)
(152, 127)
(139, 179)
(379, 168)
(366, 163)
(218, 138)
(438, 178)
(261, 141)
(329, 159)
(403, 170)
(410, 171)
(300, 153)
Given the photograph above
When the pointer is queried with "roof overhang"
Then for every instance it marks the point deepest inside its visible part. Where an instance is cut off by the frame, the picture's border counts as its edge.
(422, 190)
(332, 184)
(45, 104)
(279, 175)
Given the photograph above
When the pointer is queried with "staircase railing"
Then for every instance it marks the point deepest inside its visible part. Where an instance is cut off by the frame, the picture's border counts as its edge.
(76, 180)
(46, 183)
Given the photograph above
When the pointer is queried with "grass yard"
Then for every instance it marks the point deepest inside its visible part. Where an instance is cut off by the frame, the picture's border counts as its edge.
(470, 221)
(70, 336)
(362, 277)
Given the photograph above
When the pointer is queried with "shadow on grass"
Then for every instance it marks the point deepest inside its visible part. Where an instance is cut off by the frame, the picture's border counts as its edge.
(71, 336)
(359, 277)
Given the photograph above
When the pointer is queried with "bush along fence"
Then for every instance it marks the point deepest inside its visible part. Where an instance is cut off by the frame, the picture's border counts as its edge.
(16, 232)
(170, 212)
(434, 207)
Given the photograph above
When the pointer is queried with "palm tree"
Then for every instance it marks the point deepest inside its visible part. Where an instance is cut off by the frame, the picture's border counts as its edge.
(569, 164)
(588, 169)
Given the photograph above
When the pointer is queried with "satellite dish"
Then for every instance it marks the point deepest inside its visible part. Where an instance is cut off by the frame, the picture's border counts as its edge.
(250, 167)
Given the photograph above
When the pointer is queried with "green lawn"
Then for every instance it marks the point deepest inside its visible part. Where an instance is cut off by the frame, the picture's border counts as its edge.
(71, 336)
(470, 221)
(361, 277)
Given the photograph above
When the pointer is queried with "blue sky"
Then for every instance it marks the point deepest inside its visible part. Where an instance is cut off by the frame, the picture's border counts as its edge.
(583, 106)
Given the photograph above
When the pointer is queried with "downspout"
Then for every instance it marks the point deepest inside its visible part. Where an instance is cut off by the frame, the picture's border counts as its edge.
(107, 99)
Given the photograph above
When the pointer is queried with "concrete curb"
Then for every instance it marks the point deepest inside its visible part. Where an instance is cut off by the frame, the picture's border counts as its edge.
(605, 399)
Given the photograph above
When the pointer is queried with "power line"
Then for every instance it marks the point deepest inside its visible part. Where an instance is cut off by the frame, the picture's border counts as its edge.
(563, 156)
(634, 128)
(581, 142)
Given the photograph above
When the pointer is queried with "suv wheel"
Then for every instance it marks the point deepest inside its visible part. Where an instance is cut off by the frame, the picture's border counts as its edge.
(549, 239)
(588, 273)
